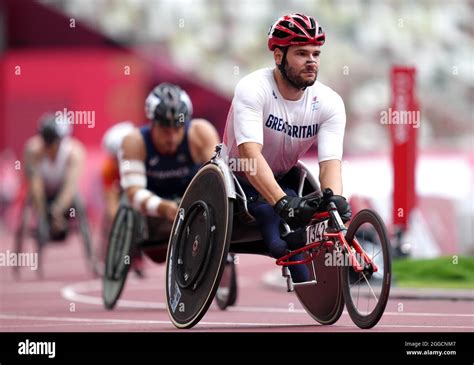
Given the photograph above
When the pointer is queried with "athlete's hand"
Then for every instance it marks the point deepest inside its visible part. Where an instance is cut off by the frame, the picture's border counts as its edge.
(58, 221)
(342, 206)
(295, 238)
(168, 209)
(297, 211)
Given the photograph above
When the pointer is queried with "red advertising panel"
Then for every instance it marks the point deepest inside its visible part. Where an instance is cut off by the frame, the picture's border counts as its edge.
(99, 86)
(404, 121)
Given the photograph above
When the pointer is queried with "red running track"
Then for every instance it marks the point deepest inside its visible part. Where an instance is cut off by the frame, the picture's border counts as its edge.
(69, 299)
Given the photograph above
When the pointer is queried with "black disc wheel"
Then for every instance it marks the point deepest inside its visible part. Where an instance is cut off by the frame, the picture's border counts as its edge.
(198, 247)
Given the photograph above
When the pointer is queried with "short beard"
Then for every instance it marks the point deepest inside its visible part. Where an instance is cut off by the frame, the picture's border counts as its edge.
(296, 79)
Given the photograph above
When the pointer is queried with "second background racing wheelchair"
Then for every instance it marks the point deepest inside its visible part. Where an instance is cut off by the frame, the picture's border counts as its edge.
(132, 233)
(349, 267)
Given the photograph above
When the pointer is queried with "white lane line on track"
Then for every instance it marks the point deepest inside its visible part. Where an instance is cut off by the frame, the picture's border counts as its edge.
(74, 292)
(43, 325)
(137, 321)
(421, 314)
(110, 321)
(422, 326)
(299, 311)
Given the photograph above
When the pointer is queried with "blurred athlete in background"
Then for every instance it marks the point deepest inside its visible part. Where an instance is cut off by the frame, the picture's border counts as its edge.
(53, 163)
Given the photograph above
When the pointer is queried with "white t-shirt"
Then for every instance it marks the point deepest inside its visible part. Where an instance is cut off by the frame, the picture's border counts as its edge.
(286, 129)
(53, 172)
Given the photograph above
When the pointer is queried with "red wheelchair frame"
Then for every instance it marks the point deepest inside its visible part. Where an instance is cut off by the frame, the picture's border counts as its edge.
(336, 240)
(327, 241)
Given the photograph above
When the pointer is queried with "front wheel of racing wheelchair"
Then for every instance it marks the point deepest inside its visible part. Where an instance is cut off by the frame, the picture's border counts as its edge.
(366, 290)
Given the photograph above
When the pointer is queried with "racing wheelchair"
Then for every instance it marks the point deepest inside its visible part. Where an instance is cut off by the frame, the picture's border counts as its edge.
(133, 233)
(349, 267)
(42, 233)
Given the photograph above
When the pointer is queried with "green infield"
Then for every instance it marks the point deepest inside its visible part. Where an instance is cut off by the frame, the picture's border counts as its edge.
(442, 272)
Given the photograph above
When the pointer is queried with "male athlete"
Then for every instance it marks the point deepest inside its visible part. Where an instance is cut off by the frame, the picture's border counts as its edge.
(276, 115)
(158, 161)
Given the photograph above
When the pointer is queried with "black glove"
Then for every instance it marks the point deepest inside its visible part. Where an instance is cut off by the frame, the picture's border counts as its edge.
(295, 239)
(297, 211)
(343, 207)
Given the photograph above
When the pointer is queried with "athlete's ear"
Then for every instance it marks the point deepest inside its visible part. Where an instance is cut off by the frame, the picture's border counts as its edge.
(278, 56)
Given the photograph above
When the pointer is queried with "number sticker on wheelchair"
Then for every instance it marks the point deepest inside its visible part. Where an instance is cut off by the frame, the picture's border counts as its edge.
(314, 232)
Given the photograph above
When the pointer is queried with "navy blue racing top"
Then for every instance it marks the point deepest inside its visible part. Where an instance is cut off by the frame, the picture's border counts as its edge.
(168, 175)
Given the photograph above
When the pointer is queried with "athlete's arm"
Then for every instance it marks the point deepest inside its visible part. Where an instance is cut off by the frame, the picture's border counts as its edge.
(110, 175)
(330, 143)
(73, 171)
(247, 108)
(330, 148)
(133, 179)
(33, 177)
(203, 139)
(262, 178)
(330, 176)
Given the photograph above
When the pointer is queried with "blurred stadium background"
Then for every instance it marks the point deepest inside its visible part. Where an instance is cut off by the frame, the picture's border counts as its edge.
(104, 56)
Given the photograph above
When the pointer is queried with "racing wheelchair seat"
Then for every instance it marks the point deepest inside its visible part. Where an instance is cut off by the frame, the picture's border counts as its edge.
(214, 220)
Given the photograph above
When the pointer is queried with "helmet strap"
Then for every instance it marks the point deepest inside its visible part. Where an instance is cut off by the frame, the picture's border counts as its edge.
(282, 66)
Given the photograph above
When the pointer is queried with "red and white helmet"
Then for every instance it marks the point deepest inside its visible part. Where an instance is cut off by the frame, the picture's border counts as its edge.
(295, 29)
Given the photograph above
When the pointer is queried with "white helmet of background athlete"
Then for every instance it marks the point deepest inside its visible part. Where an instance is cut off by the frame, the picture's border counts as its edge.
(114, 136)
